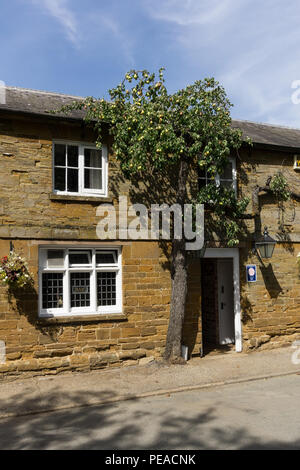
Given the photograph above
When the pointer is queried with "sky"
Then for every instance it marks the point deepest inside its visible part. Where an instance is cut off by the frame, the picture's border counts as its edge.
(85, 47)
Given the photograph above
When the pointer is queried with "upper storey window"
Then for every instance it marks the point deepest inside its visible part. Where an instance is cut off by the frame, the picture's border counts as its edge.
(79, 169)
(226, 179)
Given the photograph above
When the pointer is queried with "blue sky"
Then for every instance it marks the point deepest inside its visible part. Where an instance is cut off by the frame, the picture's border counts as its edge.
(85, 47)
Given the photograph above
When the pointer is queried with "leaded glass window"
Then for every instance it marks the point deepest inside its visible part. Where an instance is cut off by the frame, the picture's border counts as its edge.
(80, 281)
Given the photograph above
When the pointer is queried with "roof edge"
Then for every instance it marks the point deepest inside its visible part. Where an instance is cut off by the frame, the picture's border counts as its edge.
(257, 123)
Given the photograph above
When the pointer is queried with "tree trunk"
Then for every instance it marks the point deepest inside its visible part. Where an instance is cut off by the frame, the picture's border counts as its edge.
(178, 301)
(179, 281)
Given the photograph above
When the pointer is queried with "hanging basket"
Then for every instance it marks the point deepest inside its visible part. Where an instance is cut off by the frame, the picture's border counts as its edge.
(14, 271)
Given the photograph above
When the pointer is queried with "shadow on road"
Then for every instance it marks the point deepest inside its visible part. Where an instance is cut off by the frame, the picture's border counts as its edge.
(135, 424)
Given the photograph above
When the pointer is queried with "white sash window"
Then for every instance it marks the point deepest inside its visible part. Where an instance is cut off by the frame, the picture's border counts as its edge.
(79, 169)
(227, 179)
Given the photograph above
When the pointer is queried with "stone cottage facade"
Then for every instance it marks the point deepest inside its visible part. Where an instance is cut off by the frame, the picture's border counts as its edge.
(98, 303)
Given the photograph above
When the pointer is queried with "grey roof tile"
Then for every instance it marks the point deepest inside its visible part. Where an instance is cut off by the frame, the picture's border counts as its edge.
(38, 102)
(42, 102)
(268, 134)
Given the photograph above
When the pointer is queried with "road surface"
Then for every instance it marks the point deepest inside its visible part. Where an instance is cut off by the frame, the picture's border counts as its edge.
(264, 414)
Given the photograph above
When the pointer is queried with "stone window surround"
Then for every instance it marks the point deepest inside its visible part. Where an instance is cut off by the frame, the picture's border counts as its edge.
(89, 314)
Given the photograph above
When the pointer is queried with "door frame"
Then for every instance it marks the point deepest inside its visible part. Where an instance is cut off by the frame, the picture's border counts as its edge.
(232, 253)
(222, 277)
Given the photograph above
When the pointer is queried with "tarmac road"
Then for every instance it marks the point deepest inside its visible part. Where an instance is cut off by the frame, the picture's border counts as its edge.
(262, 414)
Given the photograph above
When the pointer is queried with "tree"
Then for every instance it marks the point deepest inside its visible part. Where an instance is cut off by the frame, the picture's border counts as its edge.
(154, 130)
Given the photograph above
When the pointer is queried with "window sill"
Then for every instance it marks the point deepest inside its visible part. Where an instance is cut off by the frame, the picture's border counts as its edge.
(82, 319)
(89, 199)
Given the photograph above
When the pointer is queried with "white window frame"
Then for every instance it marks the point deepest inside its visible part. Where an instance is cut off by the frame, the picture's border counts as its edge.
(92, 268)
(81, 190)
(234, 254)
(219, 179)
(79, 252)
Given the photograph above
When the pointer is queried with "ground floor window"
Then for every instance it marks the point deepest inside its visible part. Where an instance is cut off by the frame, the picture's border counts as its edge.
(79, 281)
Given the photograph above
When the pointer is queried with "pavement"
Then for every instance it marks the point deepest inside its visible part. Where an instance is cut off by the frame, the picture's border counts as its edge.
(32, 395)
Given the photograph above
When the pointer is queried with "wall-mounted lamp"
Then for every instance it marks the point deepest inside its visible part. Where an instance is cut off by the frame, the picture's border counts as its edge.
(265, 245)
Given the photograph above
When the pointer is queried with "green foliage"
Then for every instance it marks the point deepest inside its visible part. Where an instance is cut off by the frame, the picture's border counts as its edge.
(153, 130)
(153, 127)
(226, 210)
(279, 187)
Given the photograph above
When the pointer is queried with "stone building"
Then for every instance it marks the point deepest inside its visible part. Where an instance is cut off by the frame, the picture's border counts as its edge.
(97, 303)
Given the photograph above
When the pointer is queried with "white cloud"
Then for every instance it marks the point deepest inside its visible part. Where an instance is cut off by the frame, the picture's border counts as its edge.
(93, 25)
(122, 37)
(60, 10)
(189, 12)
(260, 74)
(250, 46)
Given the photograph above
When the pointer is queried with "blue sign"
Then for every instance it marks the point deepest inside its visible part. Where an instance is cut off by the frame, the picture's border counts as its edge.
(251, 273)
